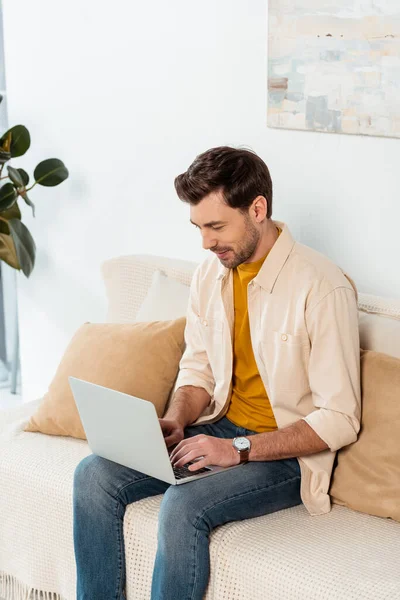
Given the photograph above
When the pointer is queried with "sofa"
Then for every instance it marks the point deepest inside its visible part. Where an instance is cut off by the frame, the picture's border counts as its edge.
(289, 555)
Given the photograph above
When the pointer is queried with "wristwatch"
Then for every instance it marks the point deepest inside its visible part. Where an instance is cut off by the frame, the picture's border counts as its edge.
(242, 445)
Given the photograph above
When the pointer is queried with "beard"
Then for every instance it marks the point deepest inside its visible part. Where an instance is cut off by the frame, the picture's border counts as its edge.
(245, 249)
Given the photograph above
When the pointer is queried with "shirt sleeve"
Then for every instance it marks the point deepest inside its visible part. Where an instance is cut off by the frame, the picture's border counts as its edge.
(194, 367)
(334, 368)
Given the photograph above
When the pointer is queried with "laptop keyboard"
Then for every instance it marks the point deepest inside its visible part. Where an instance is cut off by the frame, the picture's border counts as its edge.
(182, 472)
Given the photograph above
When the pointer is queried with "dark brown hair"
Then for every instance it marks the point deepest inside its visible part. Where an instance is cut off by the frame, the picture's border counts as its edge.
(239, 174)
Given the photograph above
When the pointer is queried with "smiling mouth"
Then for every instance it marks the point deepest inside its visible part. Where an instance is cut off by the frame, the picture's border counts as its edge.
(222, 254)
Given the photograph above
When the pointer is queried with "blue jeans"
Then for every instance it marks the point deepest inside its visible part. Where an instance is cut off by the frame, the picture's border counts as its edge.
(188, 514)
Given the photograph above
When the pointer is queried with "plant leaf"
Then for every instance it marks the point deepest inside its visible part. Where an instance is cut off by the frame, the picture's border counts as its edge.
(50, 172)
(7, 251)
(5, 141)
(24, 176)
(28, 201)
(8, 195)
(4, 228)
(24, 245)
(12, 213)
(15, 176)
(4, 157)
(16, 140)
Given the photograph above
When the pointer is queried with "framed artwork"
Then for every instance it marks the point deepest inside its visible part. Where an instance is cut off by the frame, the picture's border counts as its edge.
(335, 66)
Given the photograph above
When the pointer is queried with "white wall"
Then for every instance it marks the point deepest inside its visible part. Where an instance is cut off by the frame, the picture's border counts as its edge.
(127, 94)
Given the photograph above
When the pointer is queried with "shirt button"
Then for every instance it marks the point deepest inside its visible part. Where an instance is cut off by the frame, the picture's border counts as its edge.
(205, 323)
(284, 337)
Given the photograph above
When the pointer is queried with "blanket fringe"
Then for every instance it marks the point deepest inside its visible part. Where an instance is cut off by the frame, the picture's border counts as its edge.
(12, 589)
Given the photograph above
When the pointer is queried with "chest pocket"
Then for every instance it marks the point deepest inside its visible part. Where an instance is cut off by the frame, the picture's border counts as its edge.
(210, 324)
(211, 331)
(286, 358)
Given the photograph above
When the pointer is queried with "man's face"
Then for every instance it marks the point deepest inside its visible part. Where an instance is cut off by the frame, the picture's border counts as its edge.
(225, 230)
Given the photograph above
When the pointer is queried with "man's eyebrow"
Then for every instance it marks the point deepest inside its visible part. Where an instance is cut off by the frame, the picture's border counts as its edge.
(210, 224)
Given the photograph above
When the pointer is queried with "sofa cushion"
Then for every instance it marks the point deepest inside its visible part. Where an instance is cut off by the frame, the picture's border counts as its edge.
(379, 321)
(127, 280)
(166, 299)
(140, 359)
(379, 333)
(367, 476)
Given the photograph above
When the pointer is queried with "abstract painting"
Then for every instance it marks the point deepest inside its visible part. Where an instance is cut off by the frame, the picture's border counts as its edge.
(334, 66)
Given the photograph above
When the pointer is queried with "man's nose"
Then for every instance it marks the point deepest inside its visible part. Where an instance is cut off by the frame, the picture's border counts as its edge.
(208, 242)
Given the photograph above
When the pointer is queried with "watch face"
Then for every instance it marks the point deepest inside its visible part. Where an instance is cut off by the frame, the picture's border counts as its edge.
(242, 443)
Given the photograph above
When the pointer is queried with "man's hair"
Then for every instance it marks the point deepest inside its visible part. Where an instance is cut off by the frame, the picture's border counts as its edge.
(239, 174)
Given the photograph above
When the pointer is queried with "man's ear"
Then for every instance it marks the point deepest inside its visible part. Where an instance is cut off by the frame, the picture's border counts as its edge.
(260, 208)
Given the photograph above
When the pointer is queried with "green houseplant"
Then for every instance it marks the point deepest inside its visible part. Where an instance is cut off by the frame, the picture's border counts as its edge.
(17, 247)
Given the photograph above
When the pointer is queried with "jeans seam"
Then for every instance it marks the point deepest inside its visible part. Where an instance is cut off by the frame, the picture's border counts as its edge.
(194, 565)
(120, 553)
(244, 494)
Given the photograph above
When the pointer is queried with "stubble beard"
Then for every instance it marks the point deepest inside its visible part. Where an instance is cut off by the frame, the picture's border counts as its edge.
(246, 248)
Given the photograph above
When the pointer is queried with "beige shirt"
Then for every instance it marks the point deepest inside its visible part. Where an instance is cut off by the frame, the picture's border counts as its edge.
(304, 330)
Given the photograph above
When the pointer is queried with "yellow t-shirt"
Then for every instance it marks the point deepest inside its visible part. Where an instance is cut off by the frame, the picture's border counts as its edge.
(249, 406)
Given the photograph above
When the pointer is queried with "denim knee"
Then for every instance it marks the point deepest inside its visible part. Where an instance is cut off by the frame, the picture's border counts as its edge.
(179, 513)
(84, 470)
(90, 479)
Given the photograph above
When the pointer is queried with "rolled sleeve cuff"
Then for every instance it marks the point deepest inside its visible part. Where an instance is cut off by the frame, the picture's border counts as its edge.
(186, 377)
(334, 428)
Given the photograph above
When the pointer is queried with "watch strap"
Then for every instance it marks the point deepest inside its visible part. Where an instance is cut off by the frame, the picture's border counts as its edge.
(243, 456)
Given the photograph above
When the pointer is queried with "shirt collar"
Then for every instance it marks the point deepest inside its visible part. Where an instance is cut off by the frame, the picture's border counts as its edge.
(274, 262)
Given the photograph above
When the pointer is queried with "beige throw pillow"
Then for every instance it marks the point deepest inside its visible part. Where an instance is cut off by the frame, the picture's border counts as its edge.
(140, 359)
(367, 476)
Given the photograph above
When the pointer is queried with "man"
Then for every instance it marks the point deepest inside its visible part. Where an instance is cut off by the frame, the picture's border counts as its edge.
(270, 376)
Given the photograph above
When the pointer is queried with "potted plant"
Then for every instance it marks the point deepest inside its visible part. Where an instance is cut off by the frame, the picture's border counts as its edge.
(17, 247)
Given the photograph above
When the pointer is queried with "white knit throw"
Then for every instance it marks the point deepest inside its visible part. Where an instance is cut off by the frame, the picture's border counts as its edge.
(287, 554)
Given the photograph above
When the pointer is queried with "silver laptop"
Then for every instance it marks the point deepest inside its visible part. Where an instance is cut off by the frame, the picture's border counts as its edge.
(126, 430)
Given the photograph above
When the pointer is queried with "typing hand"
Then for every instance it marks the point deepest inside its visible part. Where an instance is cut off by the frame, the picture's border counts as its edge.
(172, 431)
(210, 450)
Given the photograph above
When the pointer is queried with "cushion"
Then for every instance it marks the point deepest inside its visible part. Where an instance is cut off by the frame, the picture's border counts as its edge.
(166, 299)
(380, 333)
(127, 280)
(140, 359)
(367, 476)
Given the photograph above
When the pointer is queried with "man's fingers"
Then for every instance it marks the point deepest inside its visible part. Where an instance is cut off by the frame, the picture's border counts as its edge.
(172, 439)
(181, 451)
(191, 455)
(199, 464)
(182, 444)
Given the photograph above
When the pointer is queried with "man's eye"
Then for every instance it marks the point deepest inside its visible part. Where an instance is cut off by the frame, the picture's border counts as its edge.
(218, 228)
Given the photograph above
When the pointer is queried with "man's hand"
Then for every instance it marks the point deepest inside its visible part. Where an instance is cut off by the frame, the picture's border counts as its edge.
(172, 431)
(212, 450)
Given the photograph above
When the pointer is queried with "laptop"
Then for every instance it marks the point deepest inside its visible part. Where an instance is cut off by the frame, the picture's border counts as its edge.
(126, 430)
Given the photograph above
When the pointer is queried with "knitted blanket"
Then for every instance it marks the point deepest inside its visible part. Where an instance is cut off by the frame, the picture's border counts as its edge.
(287, 555)
(36, 542)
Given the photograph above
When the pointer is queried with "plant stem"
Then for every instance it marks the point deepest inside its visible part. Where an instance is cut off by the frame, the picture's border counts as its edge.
(27, 189)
